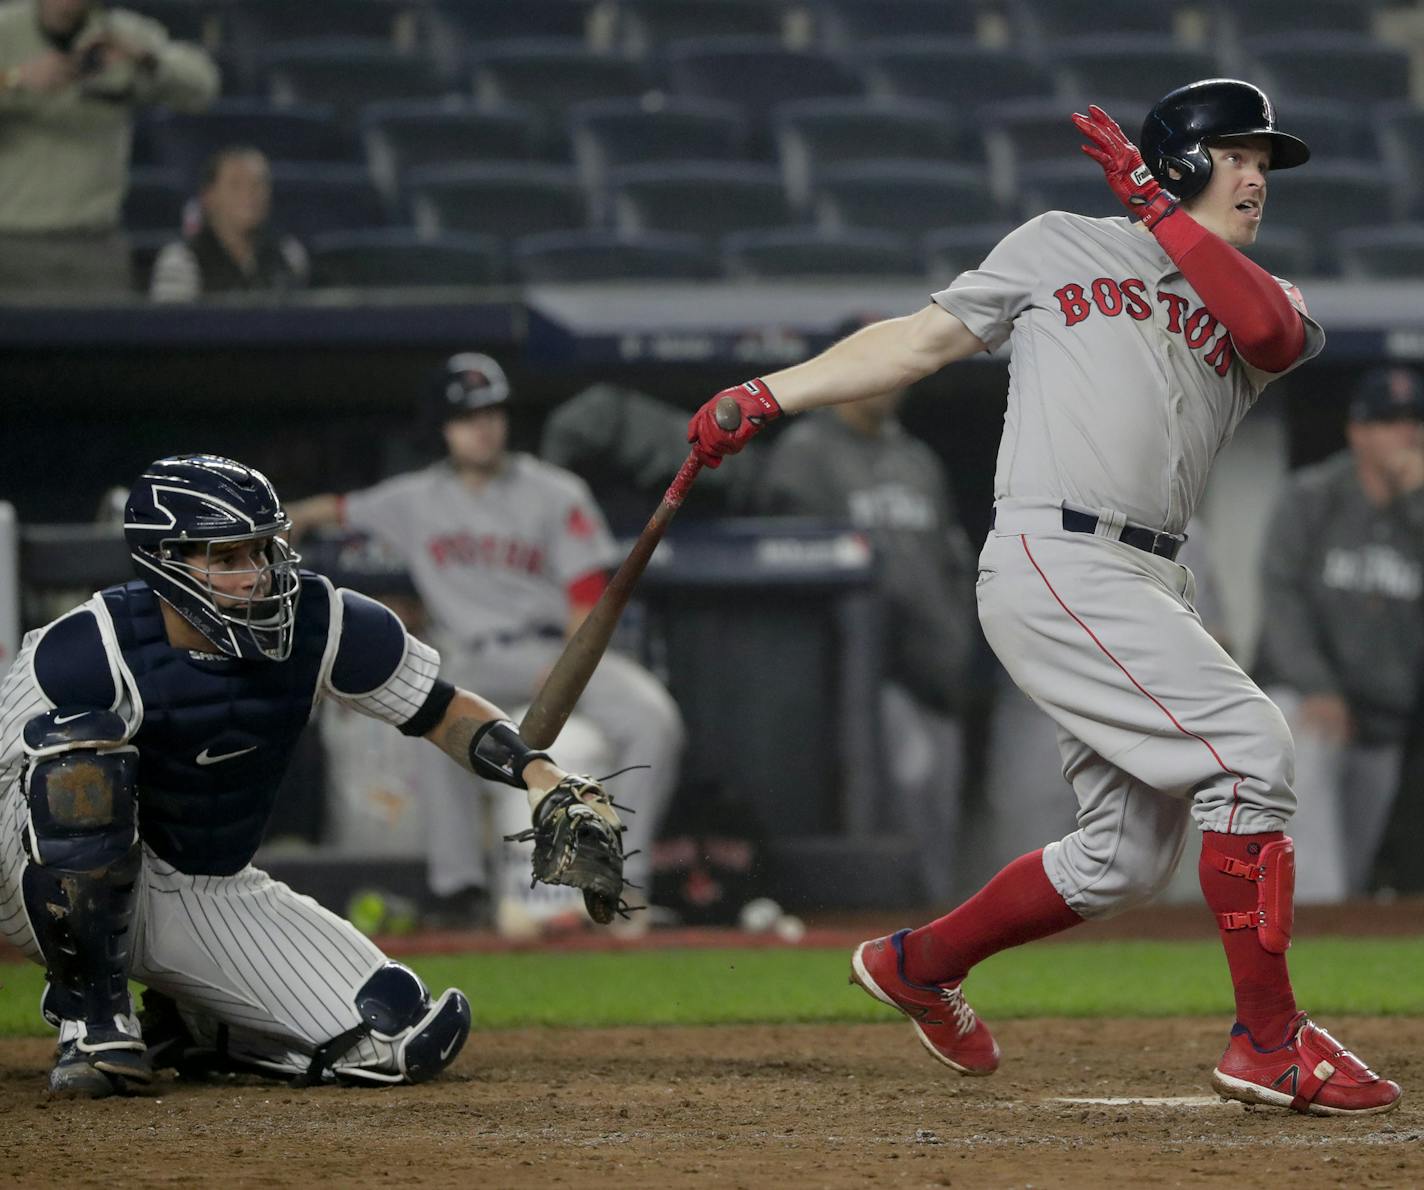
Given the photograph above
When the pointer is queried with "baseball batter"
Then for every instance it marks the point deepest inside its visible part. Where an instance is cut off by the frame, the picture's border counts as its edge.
(183, 693)
(1137, 347)
(509, 554)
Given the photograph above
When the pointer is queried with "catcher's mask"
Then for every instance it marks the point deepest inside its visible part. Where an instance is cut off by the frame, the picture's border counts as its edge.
(178, 511)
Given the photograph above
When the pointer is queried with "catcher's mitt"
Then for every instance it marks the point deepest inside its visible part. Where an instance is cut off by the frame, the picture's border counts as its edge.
(578, 840)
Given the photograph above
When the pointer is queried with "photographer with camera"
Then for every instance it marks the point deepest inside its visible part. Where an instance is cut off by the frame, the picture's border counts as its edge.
(71, 74)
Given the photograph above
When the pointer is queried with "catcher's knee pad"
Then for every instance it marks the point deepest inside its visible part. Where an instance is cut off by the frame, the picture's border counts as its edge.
(404, 1036)
(82, 839)
(1274, 877)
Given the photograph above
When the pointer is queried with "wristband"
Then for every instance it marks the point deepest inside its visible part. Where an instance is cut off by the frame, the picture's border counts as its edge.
(498, 754)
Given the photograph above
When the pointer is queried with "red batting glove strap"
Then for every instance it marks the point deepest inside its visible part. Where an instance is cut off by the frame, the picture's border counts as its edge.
(1126, 172)
(710, 442)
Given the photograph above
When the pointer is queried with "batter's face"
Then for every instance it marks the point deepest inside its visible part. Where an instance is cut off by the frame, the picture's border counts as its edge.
(477, 440)
(1235, 197)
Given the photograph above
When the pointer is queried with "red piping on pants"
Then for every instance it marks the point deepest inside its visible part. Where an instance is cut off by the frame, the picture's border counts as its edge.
(1216, 756)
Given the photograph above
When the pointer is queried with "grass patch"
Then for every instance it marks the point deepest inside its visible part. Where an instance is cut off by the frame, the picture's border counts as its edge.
(1364, 976)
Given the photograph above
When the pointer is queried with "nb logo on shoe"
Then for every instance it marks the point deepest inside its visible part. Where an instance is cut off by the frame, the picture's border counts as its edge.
(1292, 1074)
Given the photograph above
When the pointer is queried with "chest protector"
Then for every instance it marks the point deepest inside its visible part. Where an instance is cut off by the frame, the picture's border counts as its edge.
(217, 734)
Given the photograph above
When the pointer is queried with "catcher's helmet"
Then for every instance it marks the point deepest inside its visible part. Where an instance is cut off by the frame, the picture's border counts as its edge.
(1183, 122)
(189, 502)
(468, 382)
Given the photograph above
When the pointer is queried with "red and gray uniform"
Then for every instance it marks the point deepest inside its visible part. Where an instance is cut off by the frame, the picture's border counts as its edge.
(497, 570)
(1123, 389)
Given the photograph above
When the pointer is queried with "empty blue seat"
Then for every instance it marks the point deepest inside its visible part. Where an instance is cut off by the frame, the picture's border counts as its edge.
(950, 251)
(609, 133)
(815, 252)
(947, 70)
(1330, 129)
(347, 73)
(813, 134)
(1325, 194)
(200, 21)
(1268, 18)
(643, 25)
(602, 255)
(155, 198)
(1137, 67)
(187, 139)
(1037, 23)
(503, 199)
(709, 198)
(754, 73)
(408, 134)
(1330, 66)
(1076, 186)
(255, 23)
(1399, 129)
(907, 197)
(1287, 252)
(1395, 252)
(399, 257)
(1027, 132)
(477, 22)
(308, 199)
(847, 24)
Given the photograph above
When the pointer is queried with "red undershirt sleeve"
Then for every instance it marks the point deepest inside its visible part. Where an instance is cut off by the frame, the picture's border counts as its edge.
(1265, 328)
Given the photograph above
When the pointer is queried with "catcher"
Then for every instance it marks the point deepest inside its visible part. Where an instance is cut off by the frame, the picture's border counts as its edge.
(184, 693)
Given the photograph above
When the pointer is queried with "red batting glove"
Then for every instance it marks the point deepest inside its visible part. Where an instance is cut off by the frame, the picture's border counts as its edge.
(1128, 176)
(710, 442)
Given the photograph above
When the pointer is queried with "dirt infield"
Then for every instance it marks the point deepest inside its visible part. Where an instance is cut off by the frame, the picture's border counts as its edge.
(784, 1106)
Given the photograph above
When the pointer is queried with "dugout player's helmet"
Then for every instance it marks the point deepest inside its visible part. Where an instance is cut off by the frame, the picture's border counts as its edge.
(177, 511)
(468, 382)
(1178, 129)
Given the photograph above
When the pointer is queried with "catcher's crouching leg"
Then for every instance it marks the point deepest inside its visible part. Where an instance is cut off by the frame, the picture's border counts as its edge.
(403, 1037)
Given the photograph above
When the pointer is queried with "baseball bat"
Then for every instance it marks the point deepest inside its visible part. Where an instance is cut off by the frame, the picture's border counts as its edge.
(555, 701)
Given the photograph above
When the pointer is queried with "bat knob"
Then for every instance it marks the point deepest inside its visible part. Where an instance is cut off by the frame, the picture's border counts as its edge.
(728, 414)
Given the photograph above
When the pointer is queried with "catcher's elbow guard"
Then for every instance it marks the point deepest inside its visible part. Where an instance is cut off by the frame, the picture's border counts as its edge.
(498, 754)
(1274, 874)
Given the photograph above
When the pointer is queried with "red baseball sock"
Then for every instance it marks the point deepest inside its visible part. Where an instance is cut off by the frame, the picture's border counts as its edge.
(1016, 906)
(1265, 1003)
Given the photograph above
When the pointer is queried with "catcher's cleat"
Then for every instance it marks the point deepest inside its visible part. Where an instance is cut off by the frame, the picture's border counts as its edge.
(943, 1020)
(81, 1073)
(1311, 1073)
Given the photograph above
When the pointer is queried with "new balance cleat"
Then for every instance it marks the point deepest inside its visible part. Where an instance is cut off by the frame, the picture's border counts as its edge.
(943, 1020)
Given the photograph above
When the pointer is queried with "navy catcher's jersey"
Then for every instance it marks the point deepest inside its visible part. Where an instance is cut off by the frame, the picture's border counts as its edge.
(214, 734)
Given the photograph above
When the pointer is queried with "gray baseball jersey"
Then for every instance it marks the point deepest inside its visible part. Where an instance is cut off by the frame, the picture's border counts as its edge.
(494, 561)
(1123, 388)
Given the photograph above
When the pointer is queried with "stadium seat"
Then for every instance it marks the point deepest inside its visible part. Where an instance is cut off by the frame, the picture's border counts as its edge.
(813, 252)
(907, 197)
(755, 73)
(155, 199)
(549, 74)
(602, 255)
(252, 23)
(846, 25)
(609, 133)
(1027, 132)
(951, 250)
(1392, 252)
(503, 199)
(1073, 185)
(641, 26)
(347, 73)
(1267, 18)
(309, 199)
(407, 134)
(477, 22)
(200, 21)
(813, 134)
(187, 139)
(1330, 66)
(707, 198)
(948, 70)
(144, 247)
(1399, 129)
(1287, 252)
(1134, 66)
(1330, 129)
(1327, 195)
(402, 258)
(1037, 23)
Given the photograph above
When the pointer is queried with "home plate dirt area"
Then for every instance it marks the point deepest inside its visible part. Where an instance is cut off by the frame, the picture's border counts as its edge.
(1076, 1104)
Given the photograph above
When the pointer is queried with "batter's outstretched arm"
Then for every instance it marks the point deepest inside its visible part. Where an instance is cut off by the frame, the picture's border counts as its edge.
(875, 359)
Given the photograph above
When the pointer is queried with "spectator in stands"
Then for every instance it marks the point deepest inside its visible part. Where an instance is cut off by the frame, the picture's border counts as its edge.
(233, 250)
(855, 463)
(1343, 636)
(71, 73)
(509, 554)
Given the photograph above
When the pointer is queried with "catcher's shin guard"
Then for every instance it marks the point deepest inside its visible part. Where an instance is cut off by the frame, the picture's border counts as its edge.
(1274, 876)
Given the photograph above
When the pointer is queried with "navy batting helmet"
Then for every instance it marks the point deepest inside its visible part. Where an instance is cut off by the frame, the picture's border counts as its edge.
(180, 508)
(1178, 129)
(468, 382)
